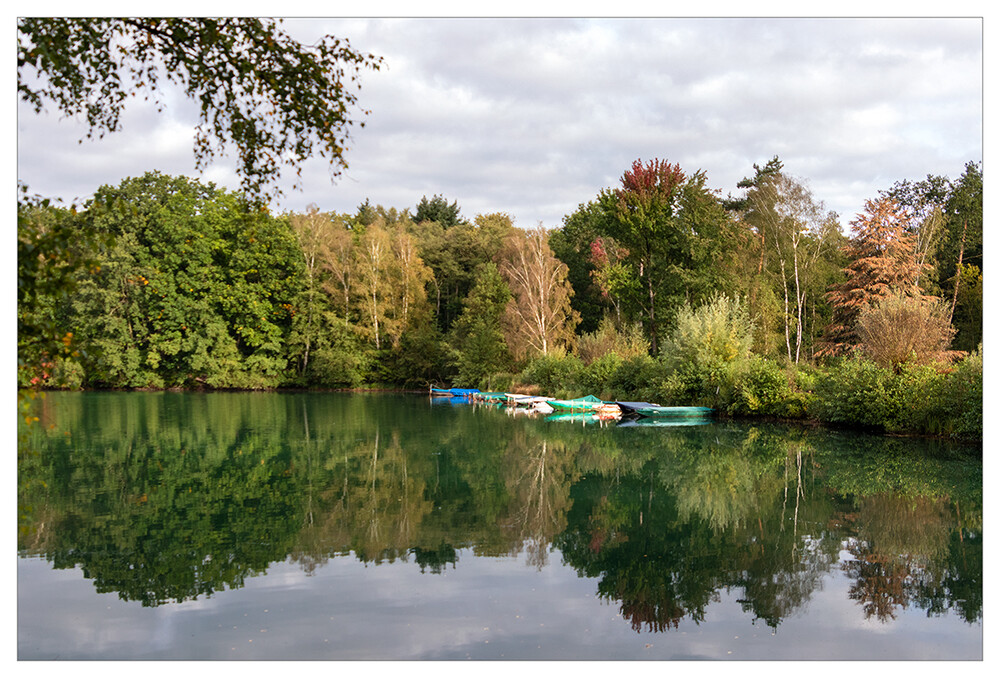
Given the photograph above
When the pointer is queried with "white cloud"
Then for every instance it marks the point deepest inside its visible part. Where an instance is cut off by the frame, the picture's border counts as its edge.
(534, 116)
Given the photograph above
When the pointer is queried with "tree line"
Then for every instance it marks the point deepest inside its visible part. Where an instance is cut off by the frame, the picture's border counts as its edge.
(658, 288)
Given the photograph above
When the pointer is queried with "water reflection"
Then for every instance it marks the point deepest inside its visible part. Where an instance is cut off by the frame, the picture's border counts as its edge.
(168, 497)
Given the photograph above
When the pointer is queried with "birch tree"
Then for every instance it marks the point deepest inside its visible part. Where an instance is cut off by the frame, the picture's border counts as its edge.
(539, 317)
(409, 277)
(793, 227)
(340, 262)
(314, 231)
(373, 260)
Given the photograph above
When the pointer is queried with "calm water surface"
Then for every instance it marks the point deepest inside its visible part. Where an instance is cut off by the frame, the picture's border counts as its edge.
(335, 526)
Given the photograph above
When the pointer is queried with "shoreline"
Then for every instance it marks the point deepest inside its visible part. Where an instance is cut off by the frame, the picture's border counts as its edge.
(807, 422)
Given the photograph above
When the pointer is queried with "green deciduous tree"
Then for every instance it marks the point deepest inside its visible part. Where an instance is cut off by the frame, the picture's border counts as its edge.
(323, 304)
(646, 215)
(196, 289)
(719, 331)
(795, 236)
(456, 255)
(52, 252)
(675, 236)
(572, 244)
(963, 247)
(707, 347)
(477, 338)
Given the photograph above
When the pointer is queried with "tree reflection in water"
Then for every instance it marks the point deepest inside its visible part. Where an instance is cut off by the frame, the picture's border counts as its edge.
(167, 497)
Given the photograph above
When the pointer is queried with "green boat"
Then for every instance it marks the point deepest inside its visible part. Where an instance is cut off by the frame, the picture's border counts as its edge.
(584, 404)
(674, 412)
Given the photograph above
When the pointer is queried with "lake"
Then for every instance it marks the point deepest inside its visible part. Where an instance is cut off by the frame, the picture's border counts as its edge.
(330, 526)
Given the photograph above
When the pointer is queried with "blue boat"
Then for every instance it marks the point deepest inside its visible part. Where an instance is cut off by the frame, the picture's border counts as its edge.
(460, 392)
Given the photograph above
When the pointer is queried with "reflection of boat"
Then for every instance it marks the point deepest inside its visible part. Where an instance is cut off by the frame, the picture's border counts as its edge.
(608, 411)
(674, 412)
(575, 417)
(543, 407)
(450, 400)
(525, 400)
(653, 421)
(513, 411)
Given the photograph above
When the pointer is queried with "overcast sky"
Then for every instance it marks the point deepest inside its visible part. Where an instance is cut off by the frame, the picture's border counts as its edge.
(533, 117)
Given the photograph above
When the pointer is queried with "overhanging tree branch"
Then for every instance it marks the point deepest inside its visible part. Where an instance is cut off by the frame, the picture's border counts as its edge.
(278, 102)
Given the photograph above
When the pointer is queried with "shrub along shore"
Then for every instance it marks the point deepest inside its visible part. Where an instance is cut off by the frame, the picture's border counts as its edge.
(937, 400)
(855, 393)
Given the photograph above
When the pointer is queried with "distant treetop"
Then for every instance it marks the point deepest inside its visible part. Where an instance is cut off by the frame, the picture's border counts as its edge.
(437, 209)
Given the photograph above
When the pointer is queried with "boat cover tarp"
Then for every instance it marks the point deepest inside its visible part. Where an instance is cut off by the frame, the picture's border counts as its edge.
(630, 406)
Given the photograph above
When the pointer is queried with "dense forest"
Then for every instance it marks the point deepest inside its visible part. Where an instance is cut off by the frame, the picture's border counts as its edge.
(659, 288)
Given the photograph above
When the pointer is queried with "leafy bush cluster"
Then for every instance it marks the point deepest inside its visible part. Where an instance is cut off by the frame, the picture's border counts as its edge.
(931, 399)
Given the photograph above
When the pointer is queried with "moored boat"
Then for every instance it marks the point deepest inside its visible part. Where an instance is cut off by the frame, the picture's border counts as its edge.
(464, 392)
(608, 411)
(525, 400)
(585, 404)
